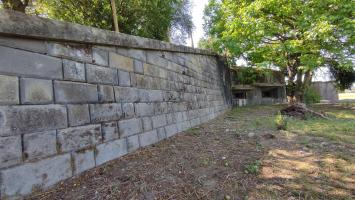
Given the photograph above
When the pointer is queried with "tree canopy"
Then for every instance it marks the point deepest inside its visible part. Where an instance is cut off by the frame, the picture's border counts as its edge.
(298, 36)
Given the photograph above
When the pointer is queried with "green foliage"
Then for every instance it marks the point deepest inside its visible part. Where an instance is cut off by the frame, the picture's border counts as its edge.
(295, 35)
(311, 96)
(253, 168)
(249, 75)
(280, 121)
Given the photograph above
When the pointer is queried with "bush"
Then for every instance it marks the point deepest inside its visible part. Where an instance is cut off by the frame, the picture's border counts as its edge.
(311, 96)
(280, 121)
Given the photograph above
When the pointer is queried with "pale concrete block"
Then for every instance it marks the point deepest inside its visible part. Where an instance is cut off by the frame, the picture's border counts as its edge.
(128, 110)
(148, 138)
(73, 71)
(106, 93)
(170, 118)
(100, 56)
(159, 121)
(171, 130)
(147, 123)
(110, 151)
(161, 133)
(9, 90)
(126, 94)
(144, 109)
(79, 137)
(133, 79)
(129, 127)
(103, 75)
(160, 108)
(69, 92)
(132, 143)
(39, 145)
(144, 95)
(138, 67)
(83, 160)
(121, 62)
(21, 180)
(18, 62)
(36, 91)
(78, 114)
(124, 78)
(75, 51)
(105, 112)
(156, 96)
(29, 119)
(183, 126)
(10, 151)
(109, 131)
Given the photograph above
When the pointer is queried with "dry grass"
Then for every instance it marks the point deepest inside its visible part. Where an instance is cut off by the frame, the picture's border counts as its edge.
(240, 155)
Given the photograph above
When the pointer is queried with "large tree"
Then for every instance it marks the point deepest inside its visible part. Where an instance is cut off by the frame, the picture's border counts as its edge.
(298, 36)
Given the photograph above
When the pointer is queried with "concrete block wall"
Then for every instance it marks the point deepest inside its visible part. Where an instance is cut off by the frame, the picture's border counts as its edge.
(69, 106)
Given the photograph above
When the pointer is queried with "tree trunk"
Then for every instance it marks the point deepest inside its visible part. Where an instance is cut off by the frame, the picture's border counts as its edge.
(114, 15)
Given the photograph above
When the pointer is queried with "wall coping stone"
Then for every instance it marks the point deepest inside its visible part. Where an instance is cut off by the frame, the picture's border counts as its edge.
(18, 24)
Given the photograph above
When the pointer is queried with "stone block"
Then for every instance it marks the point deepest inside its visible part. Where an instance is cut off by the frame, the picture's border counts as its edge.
(144, 95)
(110, 151)
(10, 151)
(159, 121)
(170, 118)
(69, 92)
(171, 130)
(160, 108)
(126, 94)
(18, 62)
(9, 90)
(153, 59)
(83, 160)
(102, 75)
(183, 126)
(78, 114)
(106, 93)
(156, 95)
(109, 131)
(161, 133)
(148, 138)
(100, 56)
(36, 91)
(129, 127)
(73, 71)
(128, 110)
(137, 54)
(79, 137)
(29, 119)
(121, 62)
(133, 79)
(132, 143)
(21, 180)
(143, 81)
(39, 145)
(124, 78)
(75, 51)
(138, 67)
(23, 43)
(144, 109)
(105, 112)
(147, 123)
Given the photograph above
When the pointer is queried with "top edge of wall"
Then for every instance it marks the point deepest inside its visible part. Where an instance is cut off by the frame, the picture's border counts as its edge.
(18, 24)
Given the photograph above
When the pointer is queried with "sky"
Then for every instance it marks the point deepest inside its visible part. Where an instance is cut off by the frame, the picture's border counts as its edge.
(197, 14)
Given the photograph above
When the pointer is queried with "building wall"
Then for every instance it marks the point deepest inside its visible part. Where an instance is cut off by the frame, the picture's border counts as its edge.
(74, 97)
(327, 91)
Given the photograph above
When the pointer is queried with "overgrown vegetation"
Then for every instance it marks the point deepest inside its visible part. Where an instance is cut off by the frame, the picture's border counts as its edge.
(311, 96)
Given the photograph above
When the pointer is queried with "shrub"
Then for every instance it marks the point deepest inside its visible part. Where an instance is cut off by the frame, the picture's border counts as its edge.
(311, 96)
(280, 121)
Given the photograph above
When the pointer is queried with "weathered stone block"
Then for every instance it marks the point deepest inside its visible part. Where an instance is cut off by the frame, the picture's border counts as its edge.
(83, 160)
(22, 179)
(138, 67)
(132, 143)
(79, 137)
(121, 62)
(23, 43)
(171, 130)
(105, 112)
(129, 127)
(10, 151)
(143, 81)
(161, 133)
(39, 145)
(78, 115)
(110, 150)
(160, 108)
(106, 93)
(13, 61)
(126, 94)
(133, 79)
(147, 123)
(144, 109)
(109, 131)
(144, 95)
(9, 90)
(156, 95)
(28, 119)
(183, 126)
(69, 92)
(124, 78)
(128, 110)
(36, 91)
(148, 138)
(76, 51)
(73, 71)
(100, 56)
(159, 121)
(104, 75)
(170, 118)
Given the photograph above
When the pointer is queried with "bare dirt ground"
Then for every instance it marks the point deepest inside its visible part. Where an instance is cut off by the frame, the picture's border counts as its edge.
(240, 155)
